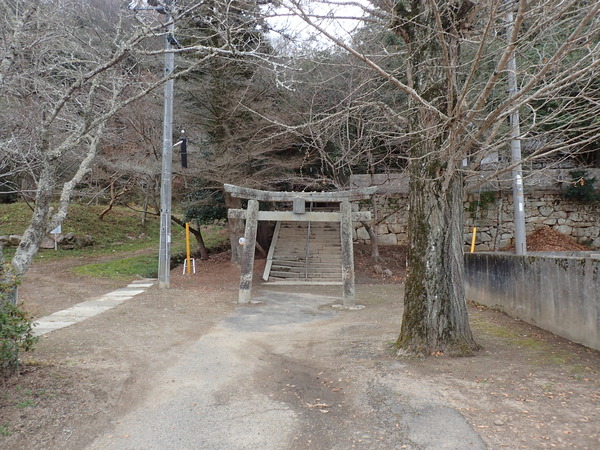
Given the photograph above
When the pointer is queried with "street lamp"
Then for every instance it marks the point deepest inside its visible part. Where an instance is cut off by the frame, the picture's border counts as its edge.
(164, 250)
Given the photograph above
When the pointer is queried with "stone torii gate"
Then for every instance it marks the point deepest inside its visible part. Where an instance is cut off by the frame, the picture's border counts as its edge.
(344, 217)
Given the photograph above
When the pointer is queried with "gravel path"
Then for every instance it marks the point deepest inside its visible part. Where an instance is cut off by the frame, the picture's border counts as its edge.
(227, 393)
(189, 368)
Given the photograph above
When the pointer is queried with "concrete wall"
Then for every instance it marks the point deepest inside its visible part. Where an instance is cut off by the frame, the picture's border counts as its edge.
(557, 293)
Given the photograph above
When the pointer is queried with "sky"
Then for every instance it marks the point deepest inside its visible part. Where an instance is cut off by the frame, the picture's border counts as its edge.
(330, 14)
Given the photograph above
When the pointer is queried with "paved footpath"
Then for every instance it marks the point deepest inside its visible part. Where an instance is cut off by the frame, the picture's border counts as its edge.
(233, 389)
(90, 308)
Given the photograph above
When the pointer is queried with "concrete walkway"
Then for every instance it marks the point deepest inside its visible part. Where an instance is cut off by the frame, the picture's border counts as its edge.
(90, 308)
(255, 382)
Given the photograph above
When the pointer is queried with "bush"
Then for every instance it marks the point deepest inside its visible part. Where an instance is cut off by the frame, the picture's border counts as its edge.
(16, 331)
(582, 188)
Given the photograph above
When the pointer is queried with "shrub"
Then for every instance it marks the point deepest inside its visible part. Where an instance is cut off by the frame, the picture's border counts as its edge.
(476, 207)
(16, 330)
(582, 188)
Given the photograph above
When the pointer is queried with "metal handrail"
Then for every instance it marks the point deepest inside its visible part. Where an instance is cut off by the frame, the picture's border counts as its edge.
(307, 246)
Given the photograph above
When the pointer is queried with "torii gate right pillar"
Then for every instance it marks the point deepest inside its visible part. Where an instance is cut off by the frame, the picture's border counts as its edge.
(347, 253)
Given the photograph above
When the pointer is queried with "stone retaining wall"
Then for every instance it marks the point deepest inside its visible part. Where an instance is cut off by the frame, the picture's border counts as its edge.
(490, 211)
(580, 221)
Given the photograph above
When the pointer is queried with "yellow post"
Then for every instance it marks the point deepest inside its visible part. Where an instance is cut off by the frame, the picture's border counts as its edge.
(187, 248)
(473, 240)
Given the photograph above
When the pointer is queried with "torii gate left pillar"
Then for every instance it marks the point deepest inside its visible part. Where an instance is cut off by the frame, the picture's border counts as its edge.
(247, 265)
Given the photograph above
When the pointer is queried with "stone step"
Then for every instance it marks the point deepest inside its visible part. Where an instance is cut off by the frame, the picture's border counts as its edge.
(312, 258)
(333, 241)
(300, 275)
(304, 231)
(324, 248)
(304, 282)
(332, 271)
(311, 269)
(312, 251)
(313, 261)
(312, 243)
(302, 240)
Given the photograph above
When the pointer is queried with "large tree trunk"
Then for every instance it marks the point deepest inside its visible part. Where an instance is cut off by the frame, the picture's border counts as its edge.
(435, 312)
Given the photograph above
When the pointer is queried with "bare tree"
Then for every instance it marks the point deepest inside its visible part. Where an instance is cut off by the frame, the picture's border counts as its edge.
(452, 66)
(67, 68)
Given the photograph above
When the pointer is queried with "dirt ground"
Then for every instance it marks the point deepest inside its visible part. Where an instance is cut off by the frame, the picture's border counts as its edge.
(546, 239)
(526, 389)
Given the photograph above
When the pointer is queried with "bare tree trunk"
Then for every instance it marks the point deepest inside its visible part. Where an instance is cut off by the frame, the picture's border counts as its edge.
(40, 221)
(145, 212)
(374, 243)
(114, 196)
(15, 42)
(197, 234)
(35, 232)
(200, 241)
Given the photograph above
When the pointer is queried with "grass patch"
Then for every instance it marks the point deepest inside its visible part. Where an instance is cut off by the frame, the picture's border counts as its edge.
(120, 225)
(119, 233)
(542, 353)
(4, 430)
(145, 266)
(26, 397)
(214, 235)
(26, 403)
(512, 336)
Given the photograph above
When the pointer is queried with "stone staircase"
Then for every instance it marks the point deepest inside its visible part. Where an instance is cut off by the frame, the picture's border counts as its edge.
(293, 241)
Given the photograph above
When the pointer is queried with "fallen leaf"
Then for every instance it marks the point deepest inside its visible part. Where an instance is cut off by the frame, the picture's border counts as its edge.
(317, 405)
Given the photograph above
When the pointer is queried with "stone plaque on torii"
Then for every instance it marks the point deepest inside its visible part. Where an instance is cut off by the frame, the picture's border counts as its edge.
(344, 217)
